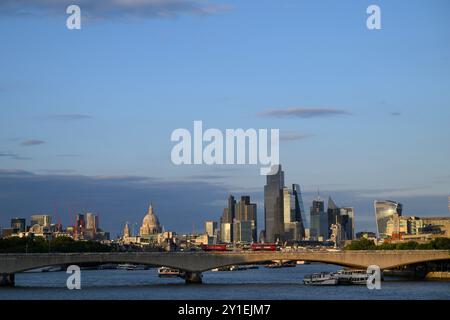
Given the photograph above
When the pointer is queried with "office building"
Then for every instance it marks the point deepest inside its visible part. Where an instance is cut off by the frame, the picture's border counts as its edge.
(244, 231)
(273, 206)
(211, 228)
(347, 221)
(18, 225)
(226, 235)
(245, 211)
(42, 220)
(384, 210)
(318, 220)
(333, 215)
(226, 221)
(92, 221)
(292, 213)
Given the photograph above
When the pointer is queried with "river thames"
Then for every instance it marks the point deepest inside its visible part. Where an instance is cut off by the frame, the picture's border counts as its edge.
(262, 283)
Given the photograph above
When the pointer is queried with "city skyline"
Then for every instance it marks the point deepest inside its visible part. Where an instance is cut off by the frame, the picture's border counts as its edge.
(87, 114)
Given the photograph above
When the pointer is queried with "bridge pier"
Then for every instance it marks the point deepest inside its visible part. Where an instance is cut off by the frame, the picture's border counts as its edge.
(7, 280)
(193, 277)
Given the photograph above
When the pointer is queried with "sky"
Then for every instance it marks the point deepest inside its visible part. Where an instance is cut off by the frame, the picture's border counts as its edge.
(87, 115)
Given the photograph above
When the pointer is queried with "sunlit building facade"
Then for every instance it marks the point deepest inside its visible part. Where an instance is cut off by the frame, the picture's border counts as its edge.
(384, 211)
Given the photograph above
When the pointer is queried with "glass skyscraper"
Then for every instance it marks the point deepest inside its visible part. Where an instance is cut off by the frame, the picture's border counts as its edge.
(273, 206)
(318, 220)
(384, 210)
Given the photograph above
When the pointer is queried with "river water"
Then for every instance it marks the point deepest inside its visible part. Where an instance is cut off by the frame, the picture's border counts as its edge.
(263, 283)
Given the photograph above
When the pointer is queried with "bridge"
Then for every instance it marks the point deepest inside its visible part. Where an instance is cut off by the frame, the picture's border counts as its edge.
(194, 263)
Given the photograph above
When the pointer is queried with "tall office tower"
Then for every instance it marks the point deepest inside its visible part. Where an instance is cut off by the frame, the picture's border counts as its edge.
(319, 220)
(299, 209)
(18, 224)
(273, 206)
(333, 214)
(291, 226)
(80, 223)
(384, 210)
(41, 219)
(211, 228)
(244, 223)
(226, 221)
(347, 220)
(92, 221)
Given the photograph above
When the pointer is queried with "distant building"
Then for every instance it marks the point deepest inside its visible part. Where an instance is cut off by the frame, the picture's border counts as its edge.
(150, 228)
(293, 211)
(226, 221)
(437, 223)
(245, 223)
(318, 220)
(91, 221)
(384, 210)
(7, 232)
(273, 206)
(18, 225)
(126, 231)
(243, 231)
(211, 228)
(333, 213)
(226, 235)
(41, 219)
(347, 221)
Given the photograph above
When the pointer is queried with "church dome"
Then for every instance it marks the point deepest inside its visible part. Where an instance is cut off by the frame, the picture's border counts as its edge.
(150, 223)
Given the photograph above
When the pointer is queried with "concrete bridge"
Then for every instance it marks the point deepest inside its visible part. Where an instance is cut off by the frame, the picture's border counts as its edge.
(194, 263)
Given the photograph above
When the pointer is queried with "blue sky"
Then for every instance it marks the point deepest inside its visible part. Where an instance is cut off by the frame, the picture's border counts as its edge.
(103, 101)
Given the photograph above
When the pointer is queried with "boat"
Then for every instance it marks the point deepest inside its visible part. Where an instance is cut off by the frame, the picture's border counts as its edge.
(126, 266)
(352, 276)
(303, 262)
(286, 264)
(169, 272)
(322, 279)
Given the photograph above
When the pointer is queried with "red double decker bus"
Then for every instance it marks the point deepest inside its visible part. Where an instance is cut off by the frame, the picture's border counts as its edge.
(264, 247)
(214, 247)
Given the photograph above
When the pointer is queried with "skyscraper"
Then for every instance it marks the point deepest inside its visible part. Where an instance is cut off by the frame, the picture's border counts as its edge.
(92, 221)
(273, 206)
(347, 221)
(333, 214)
(210, 228)
(318, 220)
(226, 221)
(384, 210)
(299, 208)
(244, 223)
(292, 213)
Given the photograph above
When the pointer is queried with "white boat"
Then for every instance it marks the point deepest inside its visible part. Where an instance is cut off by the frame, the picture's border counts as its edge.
(126, 266)
(169, 272)
(322, 279)
(352, 276)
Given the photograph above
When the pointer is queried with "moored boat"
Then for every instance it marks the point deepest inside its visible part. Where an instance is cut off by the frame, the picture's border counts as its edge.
(322, 279)
(169, 272)
(352, 276)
